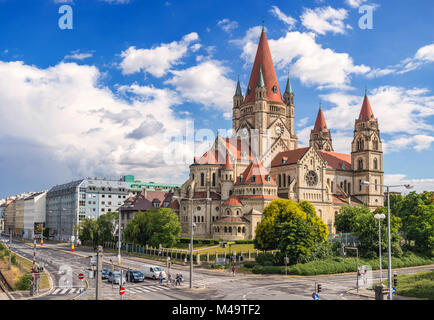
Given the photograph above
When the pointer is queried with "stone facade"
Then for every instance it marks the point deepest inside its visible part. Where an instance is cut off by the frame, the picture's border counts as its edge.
(230, 185)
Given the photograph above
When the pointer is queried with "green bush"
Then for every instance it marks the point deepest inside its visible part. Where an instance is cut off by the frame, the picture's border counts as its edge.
(23, 282)
(199, 241)
(2, 247)
(14, 260)
(244, 241)
(249, 265)
(325, 250)
(266, 259)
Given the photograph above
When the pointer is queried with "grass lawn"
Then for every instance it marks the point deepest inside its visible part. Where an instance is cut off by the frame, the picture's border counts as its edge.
(418, 285)
(22, 267)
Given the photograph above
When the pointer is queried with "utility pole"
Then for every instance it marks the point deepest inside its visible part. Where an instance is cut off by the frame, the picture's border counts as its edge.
(119, 238)
(98, 288)
(191, 247)
(34, 276)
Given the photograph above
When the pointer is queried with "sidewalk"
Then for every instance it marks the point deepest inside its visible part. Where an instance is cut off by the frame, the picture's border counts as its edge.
(371, 294)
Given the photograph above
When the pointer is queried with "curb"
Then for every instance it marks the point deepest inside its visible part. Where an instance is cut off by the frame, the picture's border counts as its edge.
(84, 291)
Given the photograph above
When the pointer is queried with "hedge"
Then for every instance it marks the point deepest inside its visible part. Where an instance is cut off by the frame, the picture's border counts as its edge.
(199, 241)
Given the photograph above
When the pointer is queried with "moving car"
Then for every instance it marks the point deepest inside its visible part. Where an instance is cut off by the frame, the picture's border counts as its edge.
(153, 272)
(135, 276)
(105, 273)
(115, 277)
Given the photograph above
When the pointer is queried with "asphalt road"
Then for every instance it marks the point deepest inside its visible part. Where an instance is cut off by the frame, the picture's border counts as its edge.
(65, 266)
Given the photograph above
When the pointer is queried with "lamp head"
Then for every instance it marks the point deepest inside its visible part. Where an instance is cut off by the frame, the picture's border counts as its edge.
(407, 186)
(364, 182)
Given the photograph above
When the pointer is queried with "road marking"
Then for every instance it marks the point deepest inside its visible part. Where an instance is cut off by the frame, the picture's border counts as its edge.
(56, 291)
(64, 291)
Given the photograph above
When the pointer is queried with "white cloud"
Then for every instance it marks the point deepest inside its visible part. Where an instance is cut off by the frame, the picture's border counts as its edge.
(94, 133)
(76, 55)
(423, 56)
(158, 60)
(205, 83)
(355, 3)
(419, 185)
(306, 58)
(418, 142)
(290, 21)
(302, 122)
(326, 19)
(227, 25)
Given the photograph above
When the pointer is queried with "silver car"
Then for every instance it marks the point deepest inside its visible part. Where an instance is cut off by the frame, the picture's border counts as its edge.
(115, 277)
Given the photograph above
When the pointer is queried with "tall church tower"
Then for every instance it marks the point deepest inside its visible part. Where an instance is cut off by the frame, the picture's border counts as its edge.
(320, 136)
(268, 119)
(367, 157)
(238, 100)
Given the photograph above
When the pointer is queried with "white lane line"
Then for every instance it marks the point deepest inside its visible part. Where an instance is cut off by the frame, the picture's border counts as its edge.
(151, 288)
(56, 291)
(140, 289)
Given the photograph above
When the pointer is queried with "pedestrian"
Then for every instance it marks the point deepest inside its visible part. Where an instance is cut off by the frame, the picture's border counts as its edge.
(169, 278)
(160, 276)
(233, 271)
(185, 261)
(177, 280)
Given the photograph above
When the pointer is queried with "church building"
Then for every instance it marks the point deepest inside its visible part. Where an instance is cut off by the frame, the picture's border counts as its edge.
(229, 186)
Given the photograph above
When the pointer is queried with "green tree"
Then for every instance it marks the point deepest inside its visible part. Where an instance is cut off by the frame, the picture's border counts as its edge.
(88, 230)
(154, 227)
(360, 221)
(292, 228)
(107, 227)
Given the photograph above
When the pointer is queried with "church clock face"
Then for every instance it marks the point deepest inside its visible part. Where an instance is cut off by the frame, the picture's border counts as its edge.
(311, 178)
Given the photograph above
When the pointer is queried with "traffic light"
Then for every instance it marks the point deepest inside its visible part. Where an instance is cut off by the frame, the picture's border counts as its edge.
(318, 288)
(395, 280)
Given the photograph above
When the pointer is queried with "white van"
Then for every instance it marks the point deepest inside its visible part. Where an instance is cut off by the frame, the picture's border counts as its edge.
(152, 271)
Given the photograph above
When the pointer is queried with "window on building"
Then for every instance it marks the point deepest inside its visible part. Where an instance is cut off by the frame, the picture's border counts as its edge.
(360, 185)
(360, 164)
(202, 218)
(198, 208)
(253, 178)
(244, 229)
(332, 186)
(375, 164)
(103, 196)
(213, 179)
(226, 229)
(349, 188)
(280, 180)
(230, 229)
(375, 184)
(202, 179)
(239, 229)
(375, 144)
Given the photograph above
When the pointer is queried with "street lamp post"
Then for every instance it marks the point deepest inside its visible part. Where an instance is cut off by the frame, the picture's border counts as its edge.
(192, 225)
(389, 251)
(119, 238)
(379, 217)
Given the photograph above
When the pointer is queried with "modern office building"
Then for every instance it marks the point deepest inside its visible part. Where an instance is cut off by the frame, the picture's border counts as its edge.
(69, 203)
(136, 186)
(2, 214)
(34, 213)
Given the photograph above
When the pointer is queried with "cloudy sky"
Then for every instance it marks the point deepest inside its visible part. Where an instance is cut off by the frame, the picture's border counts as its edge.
(122, 91)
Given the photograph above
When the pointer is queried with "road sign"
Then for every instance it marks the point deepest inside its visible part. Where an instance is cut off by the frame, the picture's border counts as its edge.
(122, 290)
(393, 290)
(81, 276)
(316, 296)
(72, 238)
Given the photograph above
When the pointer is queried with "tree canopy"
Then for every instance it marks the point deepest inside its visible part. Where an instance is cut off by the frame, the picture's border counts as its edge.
(292, 228)
(360, 221)
(102, 229)
(154, 227)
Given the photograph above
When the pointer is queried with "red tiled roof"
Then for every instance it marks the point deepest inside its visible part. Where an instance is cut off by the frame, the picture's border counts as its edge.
(174, 204)
(264, 61)
(268, 196)
(366, 113)
(235, 146)
(290, 157)
(342, 200)
(335, 160)
(233, 201)
(231, 219)
(320, 123)
(256, 174)
(202, 195)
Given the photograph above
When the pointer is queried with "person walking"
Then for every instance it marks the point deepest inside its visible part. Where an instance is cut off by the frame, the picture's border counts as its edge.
(160, 276)
(169, 278)
(233, 271)
(177, 280)
(185, 261)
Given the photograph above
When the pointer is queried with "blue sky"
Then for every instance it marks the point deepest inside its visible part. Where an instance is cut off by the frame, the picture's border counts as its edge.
(100, 99)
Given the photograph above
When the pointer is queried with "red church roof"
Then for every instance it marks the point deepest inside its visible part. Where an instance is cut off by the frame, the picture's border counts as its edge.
(255, 173)
(236, 147)
(263, 61)
(320, 123)
(336, 160)
(228, 164)
(366, 113)
(288, 157)
(233, 201)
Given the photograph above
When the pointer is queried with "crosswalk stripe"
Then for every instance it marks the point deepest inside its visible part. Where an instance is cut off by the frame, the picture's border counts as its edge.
(56, 291)
(152, 288)
(72, 291)
(64, 291)
(140, 289)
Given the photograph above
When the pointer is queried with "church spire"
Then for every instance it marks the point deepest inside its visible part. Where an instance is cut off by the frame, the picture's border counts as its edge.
(288, 86)
(263, 64)
(238, 90)
(261, 83)
(320, 123)
(366, 113)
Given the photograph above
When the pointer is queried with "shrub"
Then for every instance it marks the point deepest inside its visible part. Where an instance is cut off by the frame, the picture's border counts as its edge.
(266, 259)
(249, 265)
(23, 282)
(2, 247)
(244, 241)
(325, 250)
(14, 260)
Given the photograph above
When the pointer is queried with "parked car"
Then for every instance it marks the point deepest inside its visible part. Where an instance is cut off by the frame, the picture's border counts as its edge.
(115, 277)
(152, 272)
(135, 276)
(105, 273)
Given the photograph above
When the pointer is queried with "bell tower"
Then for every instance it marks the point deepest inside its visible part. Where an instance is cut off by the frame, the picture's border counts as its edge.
(320, 136)
(367, 157)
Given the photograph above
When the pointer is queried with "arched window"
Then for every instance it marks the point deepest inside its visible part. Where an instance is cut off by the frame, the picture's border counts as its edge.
(284, 180)
(226, 229)
(202, 218)
(360, 164)
(202, 179)
(349, 188)
(359, 144)
(375, 164)
(280, 180)
(213, 179)
(230, 229)
(375, 144)
(238, 212)
(254, 191)
(244, 229)
(375, 184)
(228, 212)
(194, 218)
(331, 186)
(345, 186)
(239, 229)
(289, 180)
